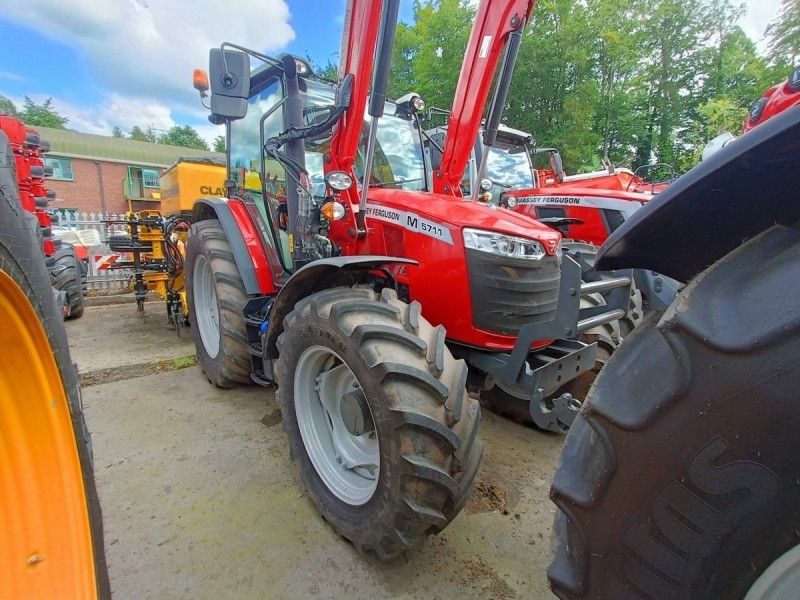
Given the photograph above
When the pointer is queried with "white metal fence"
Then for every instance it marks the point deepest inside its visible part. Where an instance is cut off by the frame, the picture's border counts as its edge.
(111, 281)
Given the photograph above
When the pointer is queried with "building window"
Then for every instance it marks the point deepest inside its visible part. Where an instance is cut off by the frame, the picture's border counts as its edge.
(62, 168)
(150, 178)
(141, 179)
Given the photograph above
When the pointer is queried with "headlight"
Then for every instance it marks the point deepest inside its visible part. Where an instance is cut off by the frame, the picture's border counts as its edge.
(339, 180)
(511, 201)
(502, 245)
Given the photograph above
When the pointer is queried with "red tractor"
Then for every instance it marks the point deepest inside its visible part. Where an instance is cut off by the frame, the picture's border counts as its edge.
(369, 299)
(66, 270)
(772, 102)
(679, 479)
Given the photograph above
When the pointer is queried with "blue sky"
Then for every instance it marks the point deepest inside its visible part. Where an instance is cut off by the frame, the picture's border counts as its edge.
(131, 64)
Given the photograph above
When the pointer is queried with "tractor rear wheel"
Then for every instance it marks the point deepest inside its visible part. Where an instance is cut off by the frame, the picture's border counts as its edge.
(378, 417)
(49, 511)
(679, 477)
(216, 298)
(67, 276)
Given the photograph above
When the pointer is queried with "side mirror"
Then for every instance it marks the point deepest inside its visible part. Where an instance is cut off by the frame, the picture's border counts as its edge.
(717, 144)
(230, 83)
(557, 166)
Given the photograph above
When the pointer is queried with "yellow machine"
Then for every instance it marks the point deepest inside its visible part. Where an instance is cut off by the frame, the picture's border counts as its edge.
(190, 179)
(154, 246)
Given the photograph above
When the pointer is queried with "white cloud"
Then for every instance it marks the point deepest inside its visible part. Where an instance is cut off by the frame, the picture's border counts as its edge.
(115, 110)
(148, 48)
(760, 13)
(11, 76)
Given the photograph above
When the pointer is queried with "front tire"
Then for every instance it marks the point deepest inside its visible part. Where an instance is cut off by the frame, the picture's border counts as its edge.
(216, 297)
(426, 449)
(679, 477)
(67, 276)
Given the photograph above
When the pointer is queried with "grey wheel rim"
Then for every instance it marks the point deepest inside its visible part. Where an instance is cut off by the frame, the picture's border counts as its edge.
(780, 580)
(205, 305)
(348, 465)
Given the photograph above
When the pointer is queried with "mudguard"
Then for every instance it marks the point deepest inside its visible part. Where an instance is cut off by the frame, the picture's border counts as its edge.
(319, 275)
(747, 187)
(255, 283)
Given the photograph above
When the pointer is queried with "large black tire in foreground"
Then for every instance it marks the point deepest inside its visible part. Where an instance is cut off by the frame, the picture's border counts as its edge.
(66, 274)
(52, 533)
(679, 479)
(378, 417)
(216, 297)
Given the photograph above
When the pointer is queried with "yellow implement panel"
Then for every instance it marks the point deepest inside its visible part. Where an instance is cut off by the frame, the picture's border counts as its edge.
(187, 180)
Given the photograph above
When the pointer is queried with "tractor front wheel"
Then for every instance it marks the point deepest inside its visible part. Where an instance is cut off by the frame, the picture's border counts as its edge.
(378, 417)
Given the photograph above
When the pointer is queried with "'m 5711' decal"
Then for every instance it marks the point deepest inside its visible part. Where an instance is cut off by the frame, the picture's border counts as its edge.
(410, 221)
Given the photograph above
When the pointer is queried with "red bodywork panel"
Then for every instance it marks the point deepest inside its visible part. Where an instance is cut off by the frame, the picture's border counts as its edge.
(255, 245)
(26, 155)
(440, 282)
(585, 203)
(778, 98)
(493, 22)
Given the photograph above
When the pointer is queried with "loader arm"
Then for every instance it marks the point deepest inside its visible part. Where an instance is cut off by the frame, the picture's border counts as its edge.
(495, 22)
(357, 55)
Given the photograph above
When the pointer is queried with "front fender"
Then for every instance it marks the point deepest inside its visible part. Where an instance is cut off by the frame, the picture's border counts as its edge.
(748, 186)
(248, 247)
(319, 275)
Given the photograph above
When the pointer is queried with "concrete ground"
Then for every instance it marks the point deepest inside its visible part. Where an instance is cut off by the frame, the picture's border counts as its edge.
(200, 497)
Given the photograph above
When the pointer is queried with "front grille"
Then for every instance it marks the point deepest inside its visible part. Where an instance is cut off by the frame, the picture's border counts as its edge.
(508, 293)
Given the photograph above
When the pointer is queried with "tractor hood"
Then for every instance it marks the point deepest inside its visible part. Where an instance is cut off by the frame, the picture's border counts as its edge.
(460, 213)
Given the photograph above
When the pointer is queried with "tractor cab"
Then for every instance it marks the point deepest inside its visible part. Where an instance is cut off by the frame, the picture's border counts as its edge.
(399, 160)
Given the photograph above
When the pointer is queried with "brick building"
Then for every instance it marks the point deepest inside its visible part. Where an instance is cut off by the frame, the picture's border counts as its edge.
(99, 173)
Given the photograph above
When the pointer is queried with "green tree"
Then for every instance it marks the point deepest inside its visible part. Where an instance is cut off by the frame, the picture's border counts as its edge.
(42, 115)
(784, 34)
(427, 54)
(117, 132)
(219, 143)
(555, 92)
(185, 136)
(7, 107)
(713, 117)
(141, 135)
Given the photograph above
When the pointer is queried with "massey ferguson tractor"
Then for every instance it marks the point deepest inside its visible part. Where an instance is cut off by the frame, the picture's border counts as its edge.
(679, 479)
(66, 270)
(370, 292)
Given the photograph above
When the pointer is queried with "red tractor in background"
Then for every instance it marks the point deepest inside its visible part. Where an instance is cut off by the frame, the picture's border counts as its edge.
(773, 101)
(336, 280)
(66, 269)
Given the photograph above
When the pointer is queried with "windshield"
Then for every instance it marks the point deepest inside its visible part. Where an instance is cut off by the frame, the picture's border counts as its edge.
(509, 167)
(398, 160)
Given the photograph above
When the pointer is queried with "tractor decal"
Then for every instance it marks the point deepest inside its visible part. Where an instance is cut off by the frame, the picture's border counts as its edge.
(411, 221)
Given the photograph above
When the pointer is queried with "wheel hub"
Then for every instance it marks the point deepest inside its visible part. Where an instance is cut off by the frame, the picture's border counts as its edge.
(355, 413)
(205, 306)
